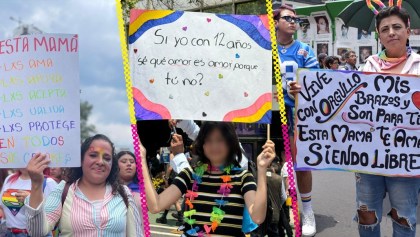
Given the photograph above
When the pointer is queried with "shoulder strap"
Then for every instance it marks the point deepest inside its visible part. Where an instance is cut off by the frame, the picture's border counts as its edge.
(64, 193)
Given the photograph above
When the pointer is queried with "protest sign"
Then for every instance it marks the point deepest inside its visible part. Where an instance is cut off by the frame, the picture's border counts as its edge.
(201, 66)
(39, 99)
(362, 122)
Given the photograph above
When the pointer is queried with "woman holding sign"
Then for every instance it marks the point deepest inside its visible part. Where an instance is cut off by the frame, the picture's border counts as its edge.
(91, 203)
(217, 190)
(393, 27)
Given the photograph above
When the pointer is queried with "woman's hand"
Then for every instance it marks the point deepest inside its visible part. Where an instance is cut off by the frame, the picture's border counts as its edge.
(177, 144)
(294, 88)
(267, 155)
(21, 195)
(173, 122)
(36, 166)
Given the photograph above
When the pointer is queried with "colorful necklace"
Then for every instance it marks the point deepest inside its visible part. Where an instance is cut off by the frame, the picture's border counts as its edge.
(217, 214)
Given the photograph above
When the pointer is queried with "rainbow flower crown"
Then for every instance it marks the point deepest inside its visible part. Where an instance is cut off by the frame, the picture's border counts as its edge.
(381, 5)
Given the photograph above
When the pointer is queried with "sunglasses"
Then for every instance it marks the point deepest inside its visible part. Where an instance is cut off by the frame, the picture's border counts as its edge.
(291, 19)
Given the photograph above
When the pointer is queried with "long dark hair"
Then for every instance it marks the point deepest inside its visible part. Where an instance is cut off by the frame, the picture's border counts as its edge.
(120, 154)
(76, 173)
(229, 134)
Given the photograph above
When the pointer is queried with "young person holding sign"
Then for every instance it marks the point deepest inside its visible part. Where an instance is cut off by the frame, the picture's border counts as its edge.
(217, 190)
(393, 27)
(294, 55)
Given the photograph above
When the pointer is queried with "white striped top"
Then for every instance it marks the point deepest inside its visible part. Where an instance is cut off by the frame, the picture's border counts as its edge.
(77, 216)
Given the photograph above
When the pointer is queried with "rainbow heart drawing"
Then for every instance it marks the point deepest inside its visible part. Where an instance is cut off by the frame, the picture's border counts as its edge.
(416, 99)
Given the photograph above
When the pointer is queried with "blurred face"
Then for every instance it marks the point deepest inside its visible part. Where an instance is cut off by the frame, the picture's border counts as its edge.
(56, 172)
(215, 147)
(393, 33)
(97, 162)
(127, 166)
(334, 65)
(352, 59)
(286, 27)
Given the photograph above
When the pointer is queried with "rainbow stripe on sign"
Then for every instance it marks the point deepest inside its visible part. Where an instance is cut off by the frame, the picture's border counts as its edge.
(259, 111)
(256, 27)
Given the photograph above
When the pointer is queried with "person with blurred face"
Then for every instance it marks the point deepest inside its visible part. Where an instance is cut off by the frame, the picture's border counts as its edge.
(180, 162)
(393, 27)
(217, 190)
(90, 202)
(293, 55)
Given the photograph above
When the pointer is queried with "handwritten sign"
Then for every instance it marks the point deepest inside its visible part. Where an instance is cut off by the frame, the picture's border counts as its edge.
(200, 66)
(360, 122)
(39, 100)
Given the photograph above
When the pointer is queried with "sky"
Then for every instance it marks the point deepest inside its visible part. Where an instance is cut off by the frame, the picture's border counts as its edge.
(101, 71)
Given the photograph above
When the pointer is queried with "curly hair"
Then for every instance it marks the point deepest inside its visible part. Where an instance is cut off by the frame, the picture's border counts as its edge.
(76, 173)
(122, 153)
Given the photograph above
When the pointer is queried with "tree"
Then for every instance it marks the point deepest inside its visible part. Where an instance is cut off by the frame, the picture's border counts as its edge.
(127, 5)
(86, 130)
(170, 4)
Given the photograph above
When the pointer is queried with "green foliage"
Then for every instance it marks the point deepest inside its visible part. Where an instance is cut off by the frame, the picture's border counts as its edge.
(127, 5)
(86, 130)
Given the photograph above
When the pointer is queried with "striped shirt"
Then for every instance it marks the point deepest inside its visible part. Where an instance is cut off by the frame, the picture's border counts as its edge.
(242, 182)
(77, 215)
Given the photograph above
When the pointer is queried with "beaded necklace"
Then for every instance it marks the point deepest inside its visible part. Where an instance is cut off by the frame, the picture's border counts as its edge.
(217, 214)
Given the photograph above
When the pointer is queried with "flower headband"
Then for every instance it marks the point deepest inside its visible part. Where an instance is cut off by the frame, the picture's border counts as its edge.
(381, 5)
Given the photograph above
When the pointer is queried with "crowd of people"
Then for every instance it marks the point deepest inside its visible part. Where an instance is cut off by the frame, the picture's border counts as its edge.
(346, 62)
(217, 191)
